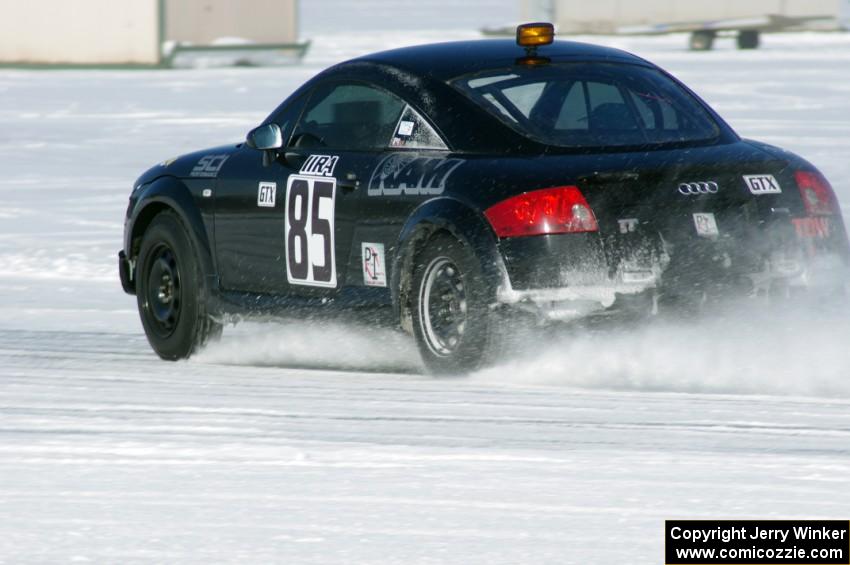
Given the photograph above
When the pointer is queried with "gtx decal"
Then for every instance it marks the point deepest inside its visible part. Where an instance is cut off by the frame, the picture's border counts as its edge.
(410, 175)
(266, 193)
(762, 184)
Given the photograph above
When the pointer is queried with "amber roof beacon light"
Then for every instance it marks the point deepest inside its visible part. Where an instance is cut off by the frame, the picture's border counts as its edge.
(535, 35)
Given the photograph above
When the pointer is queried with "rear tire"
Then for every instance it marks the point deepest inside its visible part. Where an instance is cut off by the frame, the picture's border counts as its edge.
(453, 323)
(169, 292)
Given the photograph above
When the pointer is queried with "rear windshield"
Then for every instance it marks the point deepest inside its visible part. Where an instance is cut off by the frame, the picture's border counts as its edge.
(591, 105)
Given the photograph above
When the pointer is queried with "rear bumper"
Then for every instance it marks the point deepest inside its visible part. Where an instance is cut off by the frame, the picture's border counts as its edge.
(577, 302)
(125, 271)
(564, 277)
(567, 277)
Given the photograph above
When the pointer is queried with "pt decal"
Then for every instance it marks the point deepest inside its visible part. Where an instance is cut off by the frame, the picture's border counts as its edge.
(374, 269)
(706, 225)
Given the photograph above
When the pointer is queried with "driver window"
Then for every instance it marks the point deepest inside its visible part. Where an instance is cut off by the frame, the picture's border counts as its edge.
(353, 117)
(286, 117)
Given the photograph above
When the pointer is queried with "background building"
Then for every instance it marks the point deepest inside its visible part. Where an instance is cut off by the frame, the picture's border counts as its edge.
(106, 32)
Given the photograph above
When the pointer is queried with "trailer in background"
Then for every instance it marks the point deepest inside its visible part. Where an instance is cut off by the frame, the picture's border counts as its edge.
(705, 21)
(143, 32)
(230, 31)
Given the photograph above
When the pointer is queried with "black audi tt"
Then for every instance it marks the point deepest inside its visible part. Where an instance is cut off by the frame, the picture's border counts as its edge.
(459, 188)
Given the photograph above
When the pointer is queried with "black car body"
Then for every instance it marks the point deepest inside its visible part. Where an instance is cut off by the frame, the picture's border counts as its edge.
(449, 184)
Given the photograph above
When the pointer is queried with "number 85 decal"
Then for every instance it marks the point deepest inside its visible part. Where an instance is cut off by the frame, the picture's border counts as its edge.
(310, 231)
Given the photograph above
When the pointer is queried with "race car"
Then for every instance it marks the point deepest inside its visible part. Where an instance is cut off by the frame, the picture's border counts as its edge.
(456, 190)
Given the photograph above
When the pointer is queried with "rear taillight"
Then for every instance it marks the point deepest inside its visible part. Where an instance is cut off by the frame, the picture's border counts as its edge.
(818, 197)
(542, 212)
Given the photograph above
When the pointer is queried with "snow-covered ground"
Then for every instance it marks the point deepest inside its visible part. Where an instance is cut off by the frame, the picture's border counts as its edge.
(269, 448)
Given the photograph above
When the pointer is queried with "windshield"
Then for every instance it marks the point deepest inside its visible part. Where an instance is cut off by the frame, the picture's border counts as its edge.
(591, 105)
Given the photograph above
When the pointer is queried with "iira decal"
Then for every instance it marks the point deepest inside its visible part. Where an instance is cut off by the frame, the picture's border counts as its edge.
(320, 165)
(812, 228)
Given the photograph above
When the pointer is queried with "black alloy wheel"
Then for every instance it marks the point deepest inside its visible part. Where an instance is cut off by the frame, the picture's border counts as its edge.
(163, 300)
(169, 290)
(453, 320)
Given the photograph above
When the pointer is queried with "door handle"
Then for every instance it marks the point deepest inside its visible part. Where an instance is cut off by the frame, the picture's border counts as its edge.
(349, 183)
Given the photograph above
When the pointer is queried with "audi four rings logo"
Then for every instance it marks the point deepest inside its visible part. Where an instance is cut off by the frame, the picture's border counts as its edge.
(693, 188)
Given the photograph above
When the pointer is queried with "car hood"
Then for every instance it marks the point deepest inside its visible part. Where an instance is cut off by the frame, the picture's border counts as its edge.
(187, 166)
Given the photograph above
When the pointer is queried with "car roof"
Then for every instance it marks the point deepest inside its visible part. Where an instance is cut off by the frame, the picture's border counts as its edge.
(446, 61)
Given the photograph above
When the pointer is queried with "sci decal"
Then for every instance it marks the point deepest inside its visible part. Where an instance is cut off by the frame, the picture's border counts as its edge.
(209, 166)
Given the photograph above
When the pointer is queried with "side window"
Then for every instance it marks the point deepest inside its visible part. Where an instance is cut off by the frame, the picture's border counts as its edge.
(353, 117)
(602, 93)
(608, 110)
(525, 96)
(574, 112)
(413, 132)
(495, 102)
(647, 109)
(671, 117)
(655, 111)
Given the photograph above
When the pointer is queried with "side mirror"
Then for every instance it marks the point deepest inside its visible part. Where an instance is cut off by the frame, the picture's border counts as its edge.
(265, 137)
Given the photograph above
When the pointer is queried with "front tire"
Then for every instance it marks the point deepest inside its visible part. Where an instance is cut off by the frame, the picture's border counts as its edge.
(169, 292)
(453, 323)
